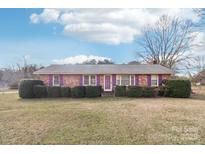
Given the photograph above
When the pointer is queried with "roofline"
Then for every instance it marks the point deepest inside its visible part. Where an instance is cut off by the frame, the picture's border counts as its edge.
(102, 64)
(171, 72)
(99, 73)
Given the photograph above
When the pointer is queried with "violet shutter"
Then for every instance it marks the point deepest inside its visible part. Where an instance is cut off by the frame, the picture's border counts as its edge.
(50, 81)
(98, 80)
(136, 80)
(113, 80)
(160, 79)
(81, 80)
(149, 80)
(61, 80)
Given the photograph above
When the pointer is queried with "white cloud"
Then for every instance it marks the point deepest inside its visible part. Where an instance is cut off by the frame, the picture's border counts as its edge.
(48, 15)
(105, 32)
(79, 59)
(110, 26)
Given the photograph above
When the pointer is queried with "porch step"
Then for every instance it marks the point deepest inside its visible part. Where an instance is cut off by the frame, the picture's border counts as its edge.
(110, 93)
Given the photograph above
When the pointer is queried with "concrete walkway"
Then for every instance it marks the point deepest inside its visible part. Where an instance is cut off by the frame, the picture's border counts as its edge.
(9, 92)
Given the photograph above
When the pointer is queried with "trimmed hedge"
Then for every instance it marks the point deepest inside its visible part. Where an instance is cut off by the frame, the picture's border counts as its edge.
(93, 91)
(148, 92)
(26, 87)
(65, 92)
(54, 92)
(40, 91)
(134, 91)
(78, 92)
(120, 91)
(36, 89)
(178, 88)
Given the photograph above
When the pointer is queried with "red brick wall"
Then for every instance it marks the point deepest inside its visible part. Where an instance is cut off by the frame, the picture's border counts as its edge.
(45, 79)
(71, 80)
(143, 80)
(74, 80)
(102, 81)
(68, 80)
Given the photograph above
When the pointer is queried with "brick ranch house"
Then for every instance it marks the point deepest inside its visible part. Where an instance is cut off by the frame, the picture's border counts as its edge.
(108, 76)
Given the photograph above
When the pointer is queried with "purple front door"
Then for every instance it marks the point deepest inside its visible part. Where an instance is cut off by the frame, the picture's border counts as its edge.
(107, 83)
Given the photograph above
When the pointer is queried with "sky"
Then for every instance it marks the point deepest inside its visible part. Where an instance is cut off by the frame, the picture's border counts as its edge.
(49, 36)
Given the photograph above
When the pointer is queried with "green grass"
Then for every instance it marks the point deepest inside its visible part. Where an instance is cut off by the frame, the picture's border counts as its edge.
(102, 120)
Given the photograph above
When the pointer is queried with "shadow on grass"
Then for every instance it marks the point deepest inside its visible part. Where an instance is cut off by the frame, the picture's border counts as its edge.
(200, 97)
(106, 99)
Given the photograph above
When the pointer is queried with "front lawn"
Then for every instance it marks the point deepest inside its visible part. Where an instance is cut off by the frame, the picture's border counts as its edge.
(102, 120)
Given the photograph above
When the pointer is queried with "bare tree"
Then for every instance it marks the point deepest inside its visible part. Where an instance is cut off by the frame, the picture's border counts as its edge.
(200, 63)
(195, 66)
(134, 62)
(12, 75)
(105, 61)
(1, 74)
(167, 42)
(93, 61)
(200, 12)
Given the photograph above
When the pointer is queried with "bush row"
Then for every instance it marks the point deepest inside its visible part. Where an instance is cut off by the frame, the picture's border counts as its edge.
(134, 91)
(177, 88)
(26, 88)
(36, 89)
(171, 88)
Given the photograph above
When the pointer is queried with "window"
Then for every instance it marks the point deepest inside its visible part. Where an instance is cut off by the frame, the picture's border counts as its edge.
(86, 80)
(92, 80)
(125, 80)
(154, 80)
(56, 80)
(89, 80)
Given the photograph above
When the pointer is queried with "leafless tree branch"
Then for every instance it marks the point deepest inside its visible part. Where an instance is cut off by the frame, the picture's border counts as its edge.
(167, 42)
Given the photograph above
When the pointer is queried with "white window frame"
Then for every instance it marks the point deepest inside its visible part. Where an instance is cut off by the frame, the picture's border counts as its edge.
(157, 80)
(84, 80)
(54, 79)
(89, 80)
(131, 80)
(120, 77)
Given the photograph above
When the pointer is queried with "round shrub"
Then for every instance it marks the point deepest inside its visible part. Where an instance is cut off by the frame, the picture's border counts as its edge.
(93, 91)
(134, 91)
(178, 88)
(54, 92)
(65, 92)
(148, 92)
(120, 91)
(26, 87)
(78, 92)
(40, 91)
